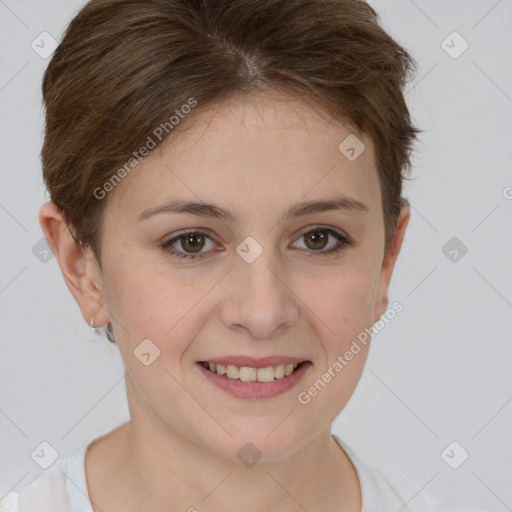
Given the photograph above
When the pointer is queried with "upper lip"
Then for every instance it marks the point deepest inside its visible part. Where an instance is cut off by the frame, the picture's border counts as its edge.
(253, 362)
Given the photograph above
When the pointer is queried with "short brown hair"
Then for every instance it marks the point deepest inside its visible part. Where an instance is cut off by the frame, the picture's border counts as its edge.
(124, 66)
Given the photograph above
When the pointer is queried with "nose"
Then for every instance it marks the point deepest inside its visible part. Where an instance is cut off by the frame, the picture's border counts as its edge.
(260, 298)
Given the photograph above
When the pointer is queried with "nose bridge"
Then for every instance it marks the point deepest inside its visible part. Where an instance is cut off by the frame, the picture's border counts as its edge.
(260, 301)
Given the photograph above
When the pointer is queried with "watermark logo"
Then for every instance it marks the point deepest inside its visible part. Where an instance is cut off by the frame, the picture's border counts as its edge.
(454, 455)
(454, 45)
(44, 455)
(454, 249)
(41, 250)
(44, 45)
(146, 352)
(351, 147)
(249, 455)
(249, 249)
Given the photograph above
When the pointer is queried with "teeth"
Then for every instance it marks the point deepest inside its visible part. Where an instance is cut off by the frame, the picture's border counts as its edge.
(247, 374)
(266, 374)
(232, 371)
(279, 371)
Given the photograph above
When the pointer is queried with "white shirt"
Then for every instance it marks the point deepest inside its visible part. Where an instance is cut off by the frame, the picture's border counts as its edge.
(63, 488)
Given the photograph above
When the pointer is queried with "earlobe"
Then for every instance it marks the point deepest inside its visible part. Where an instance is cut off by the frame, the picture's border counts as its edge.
(80, 271)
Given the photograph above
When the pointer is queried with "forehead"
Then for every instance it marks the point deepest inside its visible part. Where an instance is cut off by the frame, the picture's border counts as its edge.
(252, 153)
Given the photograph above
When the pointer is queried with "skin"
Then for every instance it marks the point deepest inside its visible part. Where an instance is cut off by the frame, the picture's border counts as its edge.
(255, 157)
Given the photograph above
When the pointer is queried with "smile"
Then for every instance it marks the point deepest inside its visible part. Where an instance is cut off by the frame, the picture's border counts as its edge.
(249, 374)
(254, 379)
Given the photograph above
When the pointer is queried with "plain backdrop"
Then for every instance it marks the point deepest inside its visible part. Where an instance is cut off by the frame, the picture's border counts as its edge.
(439, 373)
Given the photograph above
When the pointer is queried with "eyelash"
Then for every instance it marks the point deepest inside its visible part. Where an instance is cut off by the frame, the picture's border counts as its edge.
(344, 242)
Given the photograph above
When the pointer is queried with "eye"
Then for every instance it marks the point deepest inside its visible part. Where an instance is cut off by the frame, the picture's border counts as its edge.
(192, 242)
(317, 239)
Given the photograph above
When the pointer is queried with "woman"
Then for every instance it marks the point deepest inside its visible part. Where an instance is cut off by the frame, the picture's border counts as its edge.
(225, 181)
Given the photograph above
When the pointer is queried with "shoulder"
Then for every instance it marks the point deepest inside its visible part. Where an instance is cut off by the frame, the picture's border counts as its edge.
(382, 492)
(47, 492)
(61, 488)
(396, 492)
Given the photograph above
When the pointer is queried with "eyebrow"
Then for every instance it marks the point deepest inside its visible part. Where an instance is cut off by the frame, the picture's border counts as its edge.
(203, 209)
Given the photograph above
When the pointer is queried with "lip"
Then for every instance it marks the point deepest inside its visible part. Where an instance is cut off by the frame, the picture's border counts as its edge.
(256, 390)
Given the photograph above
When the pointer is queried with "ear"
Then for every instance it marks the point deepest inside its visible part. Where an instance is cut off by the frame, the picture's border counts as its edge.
(388, 263)
(79, 267)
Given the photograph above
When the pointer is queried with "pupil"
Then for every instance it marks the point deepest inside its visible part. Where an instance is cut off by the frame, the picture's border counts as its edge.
(191, 240)
(317, 238)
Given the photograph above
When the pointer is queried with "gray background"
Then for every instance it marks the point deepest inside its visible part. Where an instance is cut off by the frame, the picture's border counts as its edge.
(440, 372)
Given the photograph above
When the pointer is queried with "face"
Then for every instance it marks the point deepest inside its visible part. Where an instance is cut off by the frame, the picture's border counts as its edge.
(266, 284)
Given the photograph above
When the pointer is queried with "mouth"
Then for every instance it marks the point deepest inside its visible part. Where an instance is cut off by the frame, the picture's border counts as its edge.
(249, 378)
(252, 374)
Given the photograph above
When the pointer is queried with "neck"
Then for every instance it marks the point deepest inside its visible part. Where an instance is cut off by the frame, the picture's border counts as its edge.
(145, 465)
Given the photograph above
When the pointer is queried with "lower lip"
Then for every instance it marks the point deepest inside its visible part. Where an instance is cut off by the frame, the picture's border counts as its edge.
(251, 390)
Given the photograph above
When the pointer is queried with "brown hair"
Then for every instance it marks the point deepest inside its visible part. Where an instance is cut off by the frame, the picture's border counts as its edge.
(124, 67)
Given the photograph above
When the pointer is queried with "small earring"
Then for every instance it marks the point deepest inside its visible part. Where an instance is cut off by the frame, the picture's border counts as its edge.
(92, 322)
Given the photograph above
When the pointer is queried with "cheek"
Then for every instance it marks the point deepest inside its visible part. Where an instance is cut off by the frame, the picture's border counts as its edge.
(343, 300)
(145, 302)
(344, 314)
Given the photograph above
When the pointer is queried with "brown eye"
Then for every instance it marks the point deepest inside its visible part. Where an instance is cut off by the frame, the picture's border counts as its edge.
(192, 242)
(316, 239)
(189, 245)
